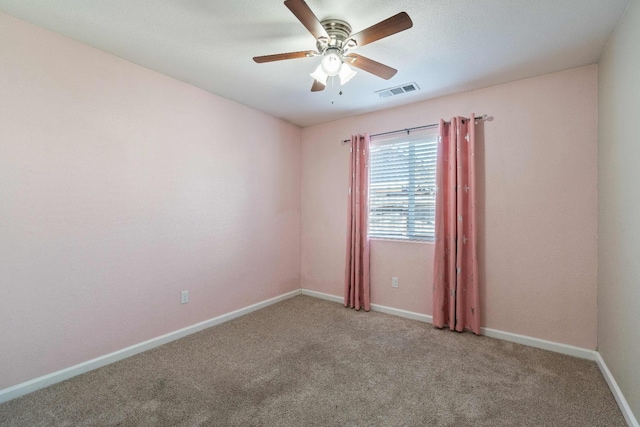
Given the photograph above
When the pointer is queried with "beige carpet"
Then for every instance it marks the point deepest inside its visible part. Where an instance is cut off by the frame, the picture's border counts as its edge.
(308, 362)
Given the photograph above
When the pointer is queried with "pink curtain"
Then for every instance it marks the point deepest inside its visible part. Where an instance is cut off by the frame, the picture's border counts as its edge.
(356, 283)
(456, 295)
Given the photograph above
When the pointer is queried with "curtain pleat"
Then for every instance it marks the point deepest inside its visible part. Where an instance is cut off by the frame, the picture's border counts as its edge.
(456, 294)
(356, 287)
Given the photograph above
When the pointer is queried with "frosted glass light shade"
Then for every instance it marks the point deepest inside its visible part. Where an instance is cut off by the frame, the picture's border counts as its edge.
(320, 75)
(346, 74)
(331, 64)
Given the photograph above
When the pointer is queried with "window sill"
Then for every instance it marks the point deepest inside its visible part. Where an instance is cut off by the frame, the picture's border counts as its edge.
(380, 239)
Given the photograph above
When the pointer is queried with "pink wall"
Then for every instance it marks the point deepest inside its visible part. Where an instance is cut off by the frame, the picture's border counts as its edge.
(538, 221)
(120, 187)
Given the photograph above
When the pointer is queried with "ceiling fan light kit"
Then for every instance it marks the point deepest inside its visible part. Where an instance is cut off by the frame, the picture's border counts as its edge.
(331, 62)
(334, 41)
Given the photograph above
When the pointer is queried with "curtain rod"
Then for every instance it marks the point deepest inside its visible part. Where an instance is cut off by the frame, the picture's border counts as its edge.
(482, 117)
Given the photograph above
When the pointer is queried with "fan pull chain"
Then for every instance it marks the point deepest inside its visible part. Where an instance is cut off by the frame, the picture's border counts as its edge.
(332, 90)
(339, 90)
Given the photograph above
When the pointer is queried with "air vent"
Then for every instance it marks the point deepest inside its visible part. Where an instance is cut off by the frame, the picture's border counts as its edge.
(398, 90)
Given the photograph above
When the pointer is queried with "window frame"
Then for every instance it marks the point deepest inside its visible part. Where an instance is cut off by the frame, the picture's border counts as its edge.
(421, 164)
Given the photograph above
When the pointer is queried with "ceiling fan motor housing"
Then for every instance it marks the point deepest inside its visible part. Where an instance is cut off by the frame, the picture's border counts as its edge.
(339, 32)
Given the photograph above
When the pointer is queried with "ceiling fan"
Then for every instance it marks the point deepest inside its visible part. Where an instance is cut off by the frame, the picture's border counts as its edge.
(334, 42)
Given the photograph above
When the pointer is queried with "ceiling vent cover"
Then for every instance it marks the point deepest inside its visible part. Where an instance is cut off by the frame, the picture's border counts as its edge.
(398, 90)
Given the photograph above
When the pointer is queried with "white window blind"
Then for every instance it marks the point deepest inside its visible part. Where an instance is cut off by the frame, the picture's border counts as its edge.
(402, 184)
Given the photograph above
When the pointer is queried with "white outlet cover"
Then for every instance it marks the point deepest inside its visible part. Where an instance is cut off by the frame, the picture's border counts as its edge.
(184, 297)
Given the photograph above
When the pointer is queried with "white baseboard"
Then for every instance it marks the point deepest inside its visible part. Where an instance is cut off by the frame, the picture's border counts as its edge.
(402, 313)
(322, 295)
(617, 393)
(64, 374)
(556, 347)
(375, 307)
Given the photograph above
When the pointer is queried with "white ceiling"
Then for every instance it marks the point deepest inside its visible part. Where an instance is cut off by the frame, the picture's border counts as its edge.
(454, 45)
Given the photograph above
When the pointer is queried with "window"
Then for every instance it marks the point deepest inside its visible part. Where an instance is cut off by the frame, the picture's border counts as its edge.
(402, 184)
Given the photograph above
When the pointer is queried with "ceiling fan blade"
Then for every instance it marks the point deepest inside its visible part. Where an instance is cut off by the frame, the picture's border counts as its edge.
(389, 26)
(317, 86)
(304, 14)
(283, 56)
(371, 66)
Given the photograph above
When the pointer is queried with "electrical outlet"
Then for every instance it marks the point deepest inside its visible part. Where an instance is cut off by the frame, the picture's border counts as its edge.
(184, 297)
(394, 282)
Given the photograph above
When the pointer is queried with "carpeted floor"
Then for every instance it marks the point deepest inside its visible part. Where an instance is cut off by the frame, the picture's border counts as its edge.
(308, 362)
